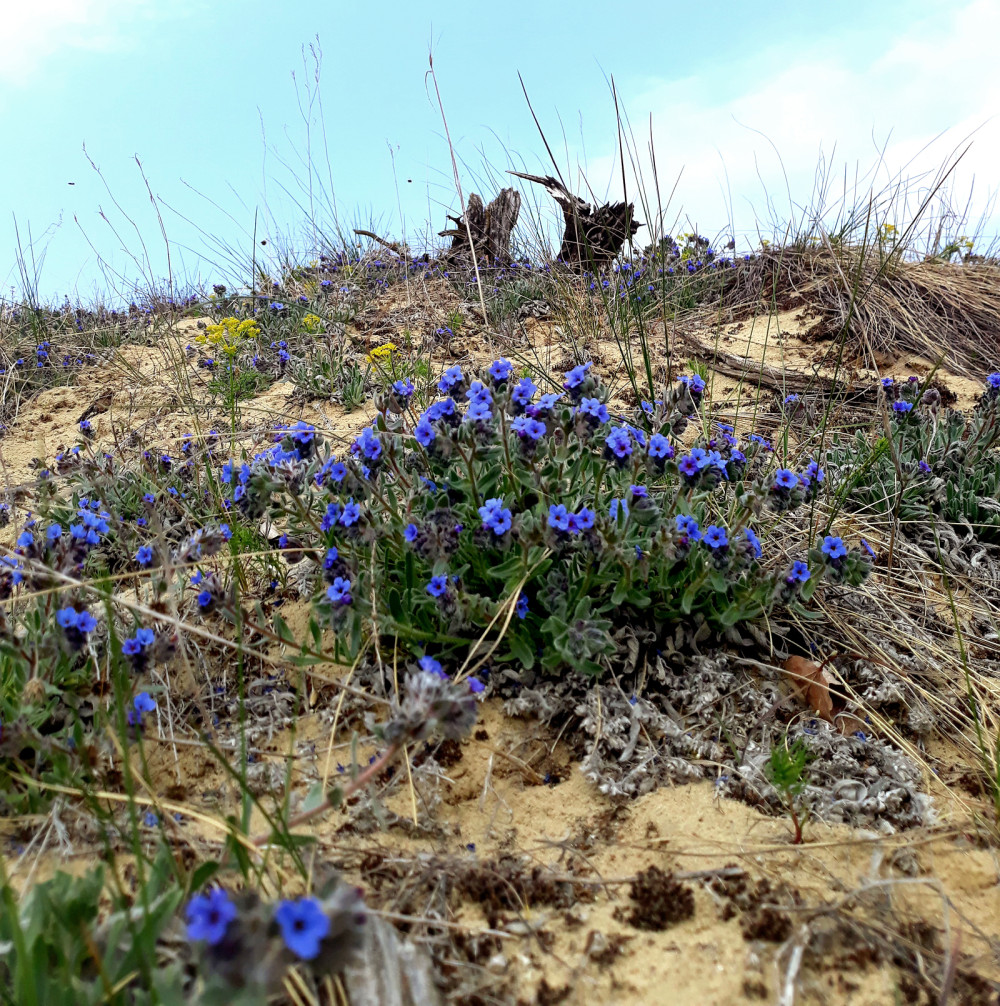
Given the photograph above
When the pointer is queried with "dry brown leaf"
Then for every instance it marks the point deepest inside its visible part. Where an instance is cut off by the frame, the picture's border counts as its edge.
(848, 723)
(811, 684)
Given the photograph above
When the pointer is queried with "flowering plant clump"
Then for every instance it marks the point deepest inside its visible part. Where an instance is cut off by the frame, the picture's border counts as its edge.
(226, 336)
(538, 513)
(940, 465)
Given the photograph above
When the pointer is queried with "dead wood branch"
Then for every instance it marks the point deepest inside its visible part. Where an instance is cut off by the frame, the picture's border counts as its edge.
(594, 235)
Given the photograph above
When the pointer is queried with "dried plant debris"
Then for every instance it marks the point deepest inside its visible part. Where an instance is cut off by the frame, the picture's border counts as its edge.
(705, 712)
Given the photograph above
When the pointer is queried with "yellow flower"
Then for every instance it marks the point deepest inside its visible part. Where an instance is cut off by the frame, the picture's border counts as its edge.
(382, 352)
(228, 334)
(312, 323)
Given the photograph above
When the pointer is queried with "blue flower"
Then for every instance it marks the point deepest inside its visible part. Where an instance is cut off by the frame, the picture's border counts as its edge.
(145, 637)
(302, 432)
(437, 585)
(403, 388)
(558, 517)
(577, 376)
(799, 572)
(410, 534)
(619, 443)
(339, 592)
(695, 383)
(546, 403)
(145, 555)
(901, 406)
(149, 498)
(659, 447)
(330, 518)
(476, 686)
(521, 609)
(791, 399)
(368, 444)
(143, 703)
(451, 379)
(594, 408)
(785, 478)
(524, 426)
(53, 533)
(204, 598)
(993, 381)
(440, 410)
(924, 467)
(584, 519)
(868, 548)
(209, 915)
(130, 647)
(615, 506)
(352, 511)
(432, 666)
(715, 536)
(424, 432)
(501, 369)
(523, 392)
(225, 531)
(687, 526)
(887, 382)
(25, 539)
(479, 410)
(813, 472)
(67, 618)
(495, 516)
(833, 547)
(758, 548)
(688, 466)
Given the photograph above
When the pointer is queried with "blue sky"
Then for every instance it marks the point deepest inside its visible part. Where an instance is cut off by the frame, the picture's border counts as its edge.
(202, 92)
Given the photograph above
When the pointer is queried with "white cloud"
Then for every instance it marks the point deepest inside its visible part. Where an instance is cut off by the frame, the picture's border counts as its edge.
(37, 34)
(931, 76)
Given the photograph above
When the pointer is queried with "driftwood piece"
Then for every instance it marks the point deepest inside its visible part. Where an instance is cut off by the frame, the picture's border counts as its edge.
(490, 227)
(594, 235)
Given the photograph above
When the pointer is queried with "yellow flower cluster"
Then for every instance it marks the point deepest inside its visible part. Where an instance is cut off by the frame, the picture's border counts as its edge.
(228, 334)
(383, 352)
(312, 323)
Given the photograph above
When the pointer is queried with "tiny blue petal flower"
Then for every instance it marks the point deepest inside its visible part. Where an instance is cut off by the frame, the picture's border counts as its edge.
(833, 547)
(432, 666)
(437, 585)
(715, 537)
(209, 915)
(799, 572)
(501, 369)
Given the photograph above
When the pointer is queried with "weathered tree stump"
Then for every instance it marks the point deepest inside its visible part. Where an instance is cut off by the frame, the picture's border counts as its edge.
(490, 227)
(594, 235)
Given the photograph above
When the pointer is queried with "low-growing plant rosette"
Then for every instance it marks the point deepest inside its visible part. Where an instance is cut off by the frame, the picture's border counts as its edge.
(536, 512)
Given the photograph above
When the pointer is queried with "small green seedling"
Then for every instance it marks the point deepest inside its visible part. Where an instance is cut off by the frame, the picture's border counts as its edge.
(786, 770)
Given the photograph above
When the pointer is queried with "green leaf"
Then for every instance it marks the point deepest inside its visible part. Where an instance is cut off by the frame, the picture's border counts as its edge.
(521, 650)
(514, 566)
(283, 632)
(203, 874)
